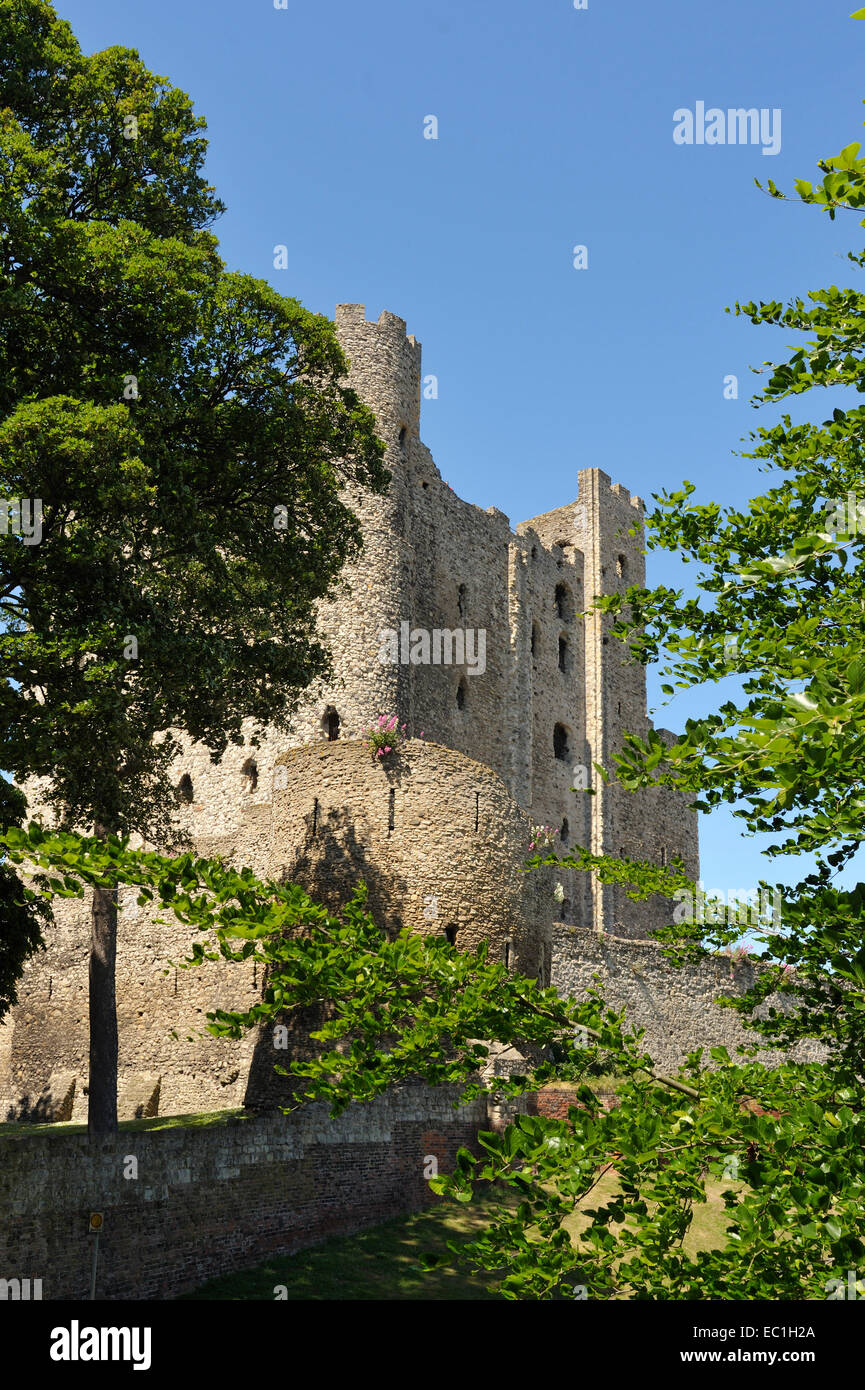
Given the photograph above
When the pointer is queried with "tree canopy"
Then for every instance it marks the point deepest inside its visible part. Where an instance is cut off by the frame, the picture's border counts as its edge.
(186, 436)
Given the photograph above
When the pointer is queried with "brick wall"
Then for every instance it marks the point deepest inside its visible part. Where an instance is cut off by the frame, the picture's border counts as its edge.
(211, 1200)
(554, 1102)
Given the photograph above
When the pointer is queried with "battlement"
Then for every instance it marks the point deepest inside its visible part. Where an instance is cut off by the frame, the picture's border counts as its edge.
(384, 366)
(620, 491)
(353, 317)
(586, 479)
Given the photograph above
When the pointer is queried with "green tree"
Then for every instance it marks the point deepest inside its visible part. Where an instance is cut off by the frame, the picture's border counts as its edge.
(187, 435)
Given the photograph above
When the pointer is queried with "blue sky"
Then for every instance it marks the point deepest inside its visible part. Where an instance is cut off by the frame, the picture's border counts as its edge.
(555, 129)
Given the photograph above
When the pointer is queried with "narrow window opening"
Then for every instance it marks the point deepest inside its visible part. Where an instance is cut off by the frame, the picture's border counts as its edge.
(461, 695)
(330, 723)
(565, 832)
(564, 603)
(507, 955)
(315, 815)
(249, 772)
(619, 707)
(560, 743)
(477, 810)
(535, 635)
(534, 552)
(565, 914)
(402, 435)
(461, 600)
(563, 653)
(391, 807)
(184, 788)
(51, 985)
(621, 566)
(451, 934)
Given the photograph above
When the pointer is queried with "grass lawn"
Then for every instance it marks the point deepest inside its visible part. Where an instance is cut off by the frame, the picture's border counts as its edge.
(709, 1220)
(202, 1121)
(381, 1263)
(377, 1264)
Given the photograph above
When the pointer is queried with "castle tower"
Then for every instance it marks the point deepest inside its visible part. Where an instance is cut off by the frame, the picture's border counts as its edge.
(615, 687)
(385, 369)
(654, 824)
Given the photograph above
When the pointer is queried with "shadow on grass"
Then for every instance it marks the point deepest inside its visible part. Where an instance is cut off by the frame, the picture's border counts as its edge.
(379, 1264)
(382, 1263)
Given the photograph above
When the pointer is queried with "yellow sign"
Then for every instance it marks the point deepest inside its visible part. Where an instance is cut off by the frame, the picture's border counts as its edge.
(96, 1219)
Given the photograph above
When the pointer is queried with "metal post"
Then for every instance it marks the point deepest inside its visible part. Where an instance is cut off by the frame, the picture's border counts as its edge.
(93, 1267)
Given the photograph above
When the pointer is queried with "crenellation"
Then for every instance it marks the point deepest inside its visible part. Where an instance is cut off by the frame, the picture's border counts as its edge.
(385, 368)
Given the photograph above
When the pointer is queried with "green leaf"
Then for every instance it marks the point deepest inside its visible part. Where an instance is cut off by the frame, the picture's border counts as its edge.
(856, 676)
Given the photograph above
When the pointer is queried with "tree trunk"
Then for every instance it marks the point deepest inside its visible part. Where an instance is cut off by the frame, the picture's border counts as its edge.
(102, 1107)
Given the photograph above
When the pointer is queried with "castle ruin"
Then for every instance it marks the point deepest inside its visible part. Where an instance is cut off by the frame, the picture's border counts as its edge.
(483, 638)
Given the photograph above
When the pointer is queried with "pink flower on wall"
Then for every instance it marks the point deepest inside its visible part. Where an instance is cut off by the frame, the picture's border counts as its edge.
(386, 735)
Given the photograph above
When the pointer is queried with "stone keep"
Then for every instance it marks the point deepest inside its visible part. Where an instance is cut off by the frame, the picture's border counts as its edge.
(514, 721)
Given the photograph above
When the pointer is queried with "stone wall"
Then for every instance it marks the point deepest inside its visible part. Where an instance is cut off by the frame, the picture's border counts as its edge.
(164, 1053)
(677, 1008)
(213, 1200)
(439, 844)
(434, 834)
